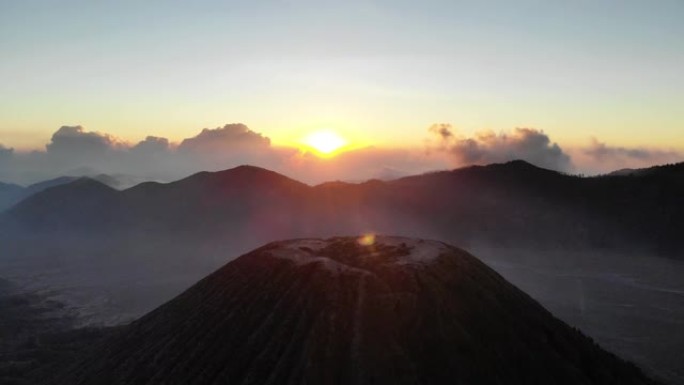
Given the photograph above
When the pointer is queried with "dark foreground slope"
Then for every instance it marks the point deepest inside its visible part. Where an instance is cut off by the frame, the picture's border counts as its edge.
(389, 311)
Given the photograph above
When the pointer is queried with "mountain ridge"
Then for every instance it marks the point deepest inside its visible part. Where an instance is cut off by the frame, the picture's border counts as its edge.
(504, 204)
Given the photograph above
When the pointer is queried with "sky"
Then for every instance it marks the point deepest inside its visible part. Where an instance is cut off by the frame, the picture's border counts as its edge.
(601, 80)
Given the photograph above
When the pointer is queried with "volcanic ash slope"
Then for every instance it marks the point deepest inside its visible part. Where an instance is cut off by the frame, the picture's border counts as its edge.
(370, 310)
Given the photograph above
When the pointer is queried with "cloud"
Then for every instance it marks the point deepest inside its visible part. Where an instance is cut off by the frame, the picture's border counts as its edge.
(150, 146)
(224, 147)
(601, 151)
(443, 130)
(152, 143)
(230, 137)
(71, 140)
(527, 144)
(599, 157)
(75, 151)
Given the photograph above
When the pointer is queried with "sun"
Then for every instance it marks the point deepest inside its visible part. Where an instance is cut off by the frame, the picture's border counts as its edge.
(325, 142)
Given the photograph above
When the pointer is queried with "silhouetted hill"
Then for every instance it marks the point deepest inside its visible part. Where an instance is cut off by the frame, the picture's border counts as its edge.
(511, 204)
(242, 199)
(113, 181)
(668, 170)
(517, 203)
(72, 206)
(389, 310)
(41, 186)
(10, 187)
(9, 195)
(623, 172)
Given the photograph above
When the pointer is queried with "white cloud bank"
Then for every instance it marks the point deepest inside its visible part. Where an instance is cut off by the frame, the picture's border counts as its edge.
(528, 144)
(73, 150)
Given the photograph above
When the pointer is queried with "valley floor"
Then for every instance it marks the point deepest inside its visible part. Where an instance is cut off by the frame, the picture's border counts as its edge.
(631, 305)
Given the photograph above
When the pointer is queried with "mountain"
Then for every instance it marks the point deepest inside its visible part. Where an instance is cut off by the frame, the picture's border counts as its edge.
(244, 199)
(41, 186)
(119, 181)
(518, 203)
(374, 310)
(511, 204)
(674, 170)
(242, 202)
(623, 172)
(140, 247)
(9, 195)
(67, 203)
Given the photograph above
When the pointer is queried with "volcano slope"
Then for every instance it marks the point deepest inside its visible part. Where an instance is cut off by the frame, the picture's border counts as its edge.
(345, 310)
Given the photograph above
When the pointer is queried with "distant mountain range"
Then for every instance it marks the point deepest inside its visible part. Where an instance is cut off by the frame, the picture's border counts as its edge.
(11, 194)
(379, 310)
(511, 204)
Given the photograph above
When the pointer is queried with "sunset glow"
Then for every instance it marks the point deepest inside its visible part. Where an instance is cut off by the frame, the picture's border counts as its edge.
(325, 142)
(367, 240)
